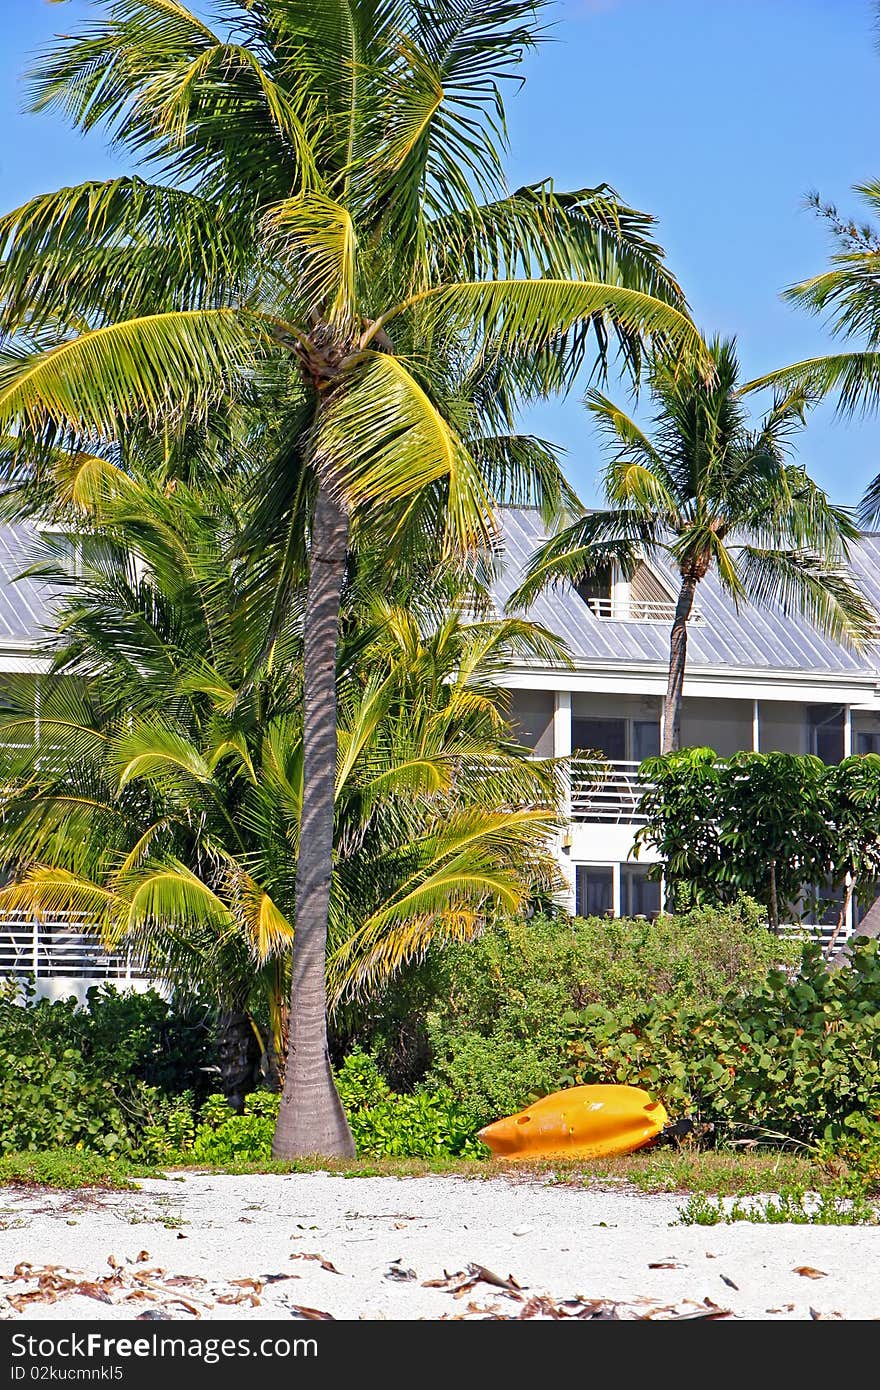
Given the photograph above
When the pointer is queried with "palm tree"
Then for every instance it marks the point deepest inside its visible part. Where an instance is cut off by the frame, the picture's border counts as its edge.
(163, 798)
(709, 492)
(849, 295)
(333, 237)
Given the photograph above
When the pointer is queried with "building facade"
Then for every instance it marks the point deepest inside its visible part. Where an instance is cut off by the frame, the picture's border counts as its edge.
(757, 679)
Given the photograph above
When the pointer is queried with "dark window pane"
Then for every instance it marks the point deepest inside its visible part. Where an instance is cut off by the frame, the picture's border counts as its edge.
(826, 732)
(594, 889)
(640, 896)
(606, 736)
(645, 739)
(867, 742)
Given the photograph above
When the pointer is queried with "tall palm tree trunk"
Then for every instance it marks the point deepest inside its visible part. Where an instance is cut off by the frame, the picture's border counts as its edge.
(311, 1119)
(677, 662)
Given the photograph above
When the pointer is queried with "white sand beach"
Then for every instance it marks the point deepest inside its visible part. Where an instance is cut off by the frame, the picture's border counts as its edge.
(250, 1247)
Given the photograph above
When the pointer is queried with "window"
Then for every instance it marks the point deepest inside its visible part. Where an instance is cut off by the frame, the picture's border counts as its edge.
(639, 895)
(867, 742)
(645, 739)
(606, 736)
(619, 739)
(595, 590)
(825, 724)
(594, 890)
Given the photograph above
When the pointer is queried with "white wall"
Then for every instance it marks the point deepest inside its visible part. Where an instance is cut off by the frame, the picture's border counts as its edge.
(531, 713)
(783, 727)
(725, 725)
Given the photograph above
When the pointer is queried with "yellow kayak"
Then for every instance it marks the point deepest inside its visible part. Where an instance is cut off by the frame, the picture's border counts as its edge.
(582, 1122)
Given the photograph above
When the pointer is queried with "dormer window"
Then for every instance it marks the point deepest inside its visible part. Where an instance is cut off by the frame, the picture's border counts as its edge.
(596, 590)
(646, 598)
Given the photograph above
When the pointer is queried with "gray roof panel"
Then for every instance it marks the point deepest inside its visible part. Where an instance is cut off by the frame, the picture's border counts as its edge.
(25, 604)
(750, 637)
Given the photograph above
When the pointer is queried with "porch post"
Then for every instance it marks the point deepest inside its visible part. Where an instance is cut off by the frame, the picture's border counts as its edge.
(756, 726)
(616, 890)
(847, 731)
(562, 749)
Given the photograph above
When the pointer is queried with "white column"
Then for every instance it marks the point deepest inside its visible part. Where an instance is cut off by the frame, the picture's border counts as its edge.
(756, 726)
(847, 731)
(562, 749)
(616, 890)
(562, 724)
(620, 594)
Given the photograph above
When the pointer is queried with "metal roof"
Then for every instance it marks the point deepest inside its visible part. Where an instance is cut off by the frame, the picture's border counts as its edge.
(750, 637)
(25, 603)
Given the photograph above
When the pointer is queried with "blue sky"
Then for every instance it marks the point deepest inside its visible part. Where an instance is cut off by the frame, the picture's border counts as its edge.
(717, 116)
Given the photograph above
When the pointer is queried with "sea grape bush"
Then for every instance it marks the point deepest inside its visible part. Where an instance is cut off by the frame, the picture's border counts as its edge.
(498, 1027)
(794, 1058)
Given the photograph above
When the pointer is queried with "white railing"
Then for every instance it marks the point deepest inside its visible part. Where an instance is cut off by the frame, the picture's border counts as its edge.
(59, 948)
(606, 790)
(637, 610)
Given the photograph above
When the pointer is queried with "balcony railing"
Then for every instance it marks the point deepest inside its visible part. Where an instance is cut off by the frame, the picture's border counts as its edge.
(637, 610)
(606, 790)
(59, 948)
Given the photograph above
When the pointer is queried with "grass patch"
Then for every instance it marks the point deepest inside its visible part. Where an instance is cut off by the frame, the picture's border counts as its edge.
(721, 1173)
(70, 1169)
(791, 1207)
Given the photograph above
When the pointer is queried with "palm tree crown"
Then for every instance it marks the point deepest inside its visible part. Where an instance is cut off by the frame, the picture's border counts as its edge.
(330, 234)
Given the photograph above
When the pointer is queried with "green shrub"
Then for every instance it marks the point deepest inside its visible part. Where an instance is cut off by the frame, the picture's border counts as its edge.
(49, 1101)
(122, 1036)
(796, 1058)
(423, 1124)
(498, 1031)
(222, 1135)
(73, 1077)
(419, 1125)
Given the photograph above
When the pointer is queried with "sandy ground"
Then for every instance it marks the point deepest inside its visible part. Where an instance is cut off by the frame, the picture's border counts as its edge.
(175, 1249)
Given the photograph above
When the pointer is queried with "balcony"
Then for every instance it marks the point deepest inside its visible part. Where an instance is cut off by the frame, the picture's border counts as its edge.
(606, 790)
(636, 610)
(57, 948)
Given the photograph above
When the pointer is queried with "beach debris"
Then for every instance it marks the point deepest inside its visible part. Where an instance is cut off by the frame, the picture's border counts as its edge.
(398, 1271)
(729, 1282)
(321, 1259)
(297, 1310)
(465, 1279)
(808, 1272)
(29, 1284)
(522, 1305)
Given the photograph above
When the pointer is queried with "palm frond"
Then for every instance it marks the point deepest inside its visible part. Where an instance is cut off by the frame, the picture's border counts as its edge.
(806, 583)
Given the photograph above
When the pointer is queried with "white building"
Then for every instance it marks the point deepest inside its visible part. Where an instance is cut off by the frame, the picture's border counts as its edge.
(756, 678)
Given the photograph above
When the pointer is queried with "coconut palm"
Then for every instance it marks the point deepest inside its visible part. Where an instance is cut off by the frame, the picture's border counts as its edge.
(707, 491)
(331, 234)
(848, 294)
(162, 801)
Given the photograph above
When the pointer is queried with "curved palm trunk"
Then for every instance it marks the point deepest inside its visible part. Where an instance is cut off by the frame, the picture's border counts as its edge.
(311, 1119)
(677, 662)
